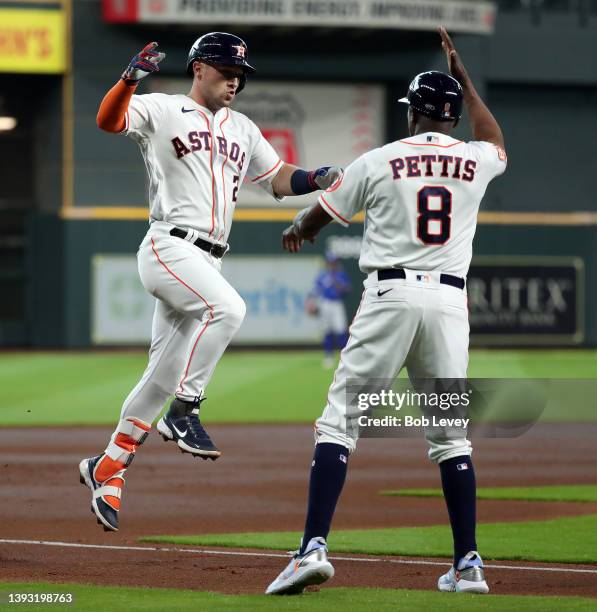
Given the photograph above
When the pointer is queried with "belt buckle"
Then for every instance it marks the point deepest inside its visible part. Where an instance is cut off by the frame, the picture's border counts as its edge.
(217, 250)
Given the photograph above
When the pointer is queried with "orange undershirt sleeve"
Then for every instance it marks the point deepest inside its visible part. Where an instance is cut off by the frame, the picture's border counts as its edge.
(111, 116)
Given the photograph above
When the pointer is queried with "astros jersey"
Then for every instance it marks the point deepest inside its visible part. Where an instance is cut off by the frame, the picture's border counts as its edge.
(196, 160)
(421, 197)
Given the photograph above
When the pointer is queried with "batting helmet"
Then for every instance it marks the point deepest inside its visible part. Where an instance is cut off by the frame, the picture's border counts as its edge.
(435, 95)
(224, 49)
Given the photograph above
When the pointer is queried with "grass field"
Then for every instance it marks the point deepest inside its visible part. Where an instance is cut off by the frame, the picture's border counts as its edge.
(282, 387)
(96, 598)
(529, 540)
(559, 493)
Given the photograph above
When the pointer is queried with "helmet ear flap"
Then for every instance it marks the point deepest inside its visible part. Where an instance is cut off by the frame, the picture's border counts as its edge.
(241, 83)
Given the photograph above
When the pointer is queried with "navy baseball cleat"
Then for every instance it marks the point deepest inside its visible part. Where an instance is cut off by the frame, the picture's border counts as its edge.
(105, 496)
(181, 424)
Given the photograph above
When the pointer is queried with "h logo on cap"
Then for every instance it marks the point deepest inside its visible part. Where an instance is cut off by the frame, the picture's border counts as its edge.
(240, 50)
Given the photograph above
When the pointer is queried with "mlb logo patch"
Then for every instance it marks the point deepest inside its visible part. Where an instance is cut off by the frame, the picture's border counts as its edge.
(343, 458)
(462, 466)
(423, 278)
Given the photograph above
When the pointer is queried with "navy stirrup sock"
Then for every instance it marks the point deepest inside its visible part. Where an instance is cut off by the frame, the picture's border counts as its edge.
(460, 492)
(328, 473)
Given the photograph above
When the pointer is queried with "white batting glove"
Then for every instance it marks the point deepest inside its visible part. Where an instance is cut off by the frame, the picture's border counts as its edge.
(325, 178)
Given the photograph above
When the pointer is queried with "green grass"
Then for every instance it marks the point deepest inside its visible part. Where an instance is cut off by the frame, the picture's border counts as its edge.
(561, 540)
(564, 493)
(281, 387)
(130, 599)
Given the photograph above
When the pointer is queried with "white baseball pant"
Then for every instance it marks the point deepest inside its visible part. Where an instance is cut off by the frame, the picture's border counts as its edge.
(196, 315)
(420, 324)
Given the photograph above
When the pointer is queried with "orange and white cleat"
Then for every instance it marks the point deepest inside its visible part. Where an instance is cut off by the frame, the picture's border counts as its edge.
(105, 502)
(104, 474)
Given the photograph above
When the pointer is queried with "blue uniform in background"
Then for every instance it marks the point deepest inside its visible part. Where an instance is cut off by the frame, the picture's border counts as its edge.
(331, 285)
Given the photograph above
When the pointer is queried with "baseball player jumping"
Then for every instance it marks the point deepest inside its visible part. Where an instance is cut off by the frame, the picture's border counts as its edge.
(421, 197)
(197, 152)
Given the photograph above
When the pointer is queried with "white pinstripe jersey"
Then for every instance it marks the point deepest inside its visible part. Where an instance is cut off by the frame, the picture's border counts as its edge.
(197, 160)
(421, 196)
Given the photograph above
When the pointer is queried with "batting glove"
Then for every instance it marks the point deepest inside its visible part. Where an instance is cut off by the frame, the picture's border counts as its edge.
(325, 177)
(144, 63)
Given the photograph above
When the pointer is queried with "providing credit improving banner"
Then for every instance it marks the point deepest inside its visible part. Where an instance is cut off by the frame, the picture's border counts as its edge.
(457, 15)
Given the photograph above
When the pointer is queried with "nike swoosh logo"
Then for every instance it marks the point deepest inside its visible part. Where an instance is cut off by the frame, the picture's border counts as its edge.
(182, 434)
(380, 293)
(187, 110)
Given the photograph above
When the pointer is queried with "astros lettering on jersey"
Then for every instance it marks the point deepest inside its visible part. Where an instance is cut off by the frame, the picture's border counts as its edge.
(197, 160)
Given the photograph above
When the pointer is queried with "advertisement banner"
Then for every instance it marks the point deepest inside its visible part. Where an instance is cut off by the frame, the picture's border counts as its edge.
(309, 125)
(32, 40)
(274, 289)
(526, 300)
(121, 309)
(456, 15)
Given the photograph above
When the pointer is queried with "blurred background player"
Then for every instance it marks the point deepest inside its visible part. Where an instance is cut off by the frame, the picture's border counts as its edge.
(197, 152)
(331, 286)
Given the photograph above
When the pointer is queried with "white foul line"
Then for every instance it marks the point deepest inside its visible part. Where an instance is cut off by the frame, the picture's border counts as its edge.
(234, 553)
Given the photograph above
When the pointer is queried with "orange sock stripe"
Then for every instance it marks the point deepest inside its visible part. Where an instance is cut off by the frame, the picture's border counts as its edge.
(140, 424)
(126, 443)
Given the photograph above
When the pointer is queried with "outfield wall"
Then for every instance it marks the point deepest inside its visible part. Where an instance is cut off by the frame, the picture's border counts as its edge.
(93, 187)
(558, 263)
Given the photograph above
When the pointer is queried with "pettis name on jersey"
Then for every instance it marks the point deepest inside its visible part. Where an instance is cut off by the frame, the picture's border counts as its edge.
(413, 166)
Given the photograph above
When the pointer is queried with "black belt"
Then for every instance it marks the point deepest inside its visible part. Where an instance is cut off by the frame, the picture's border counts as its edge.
(217, 250)
(445, 279)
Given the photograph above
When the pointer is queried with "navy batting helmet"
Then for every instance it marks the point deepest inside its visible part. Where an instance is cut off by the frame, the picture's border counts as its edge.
(435, 95)
(224, 49)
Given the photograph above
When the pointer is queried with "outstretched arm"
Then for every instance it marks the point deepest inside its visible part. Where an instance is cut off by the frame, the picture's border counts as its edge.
(111, 116)
(483, 123)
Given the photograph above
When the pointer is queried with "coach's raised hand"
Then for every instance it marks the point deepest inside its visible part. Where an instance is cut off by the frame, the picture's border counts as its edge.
(483, 124)
(144, 63)
(457, 69)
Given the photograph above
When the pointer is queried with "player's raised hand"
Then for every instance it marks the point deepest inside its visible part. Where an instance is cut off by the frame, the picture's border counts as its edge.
(457, 69)
(291, 241)
(144, 63)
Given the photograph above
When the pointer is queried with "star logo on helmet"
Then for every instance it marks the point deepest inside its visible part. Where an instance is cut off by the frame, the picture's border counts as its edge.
(241, 50)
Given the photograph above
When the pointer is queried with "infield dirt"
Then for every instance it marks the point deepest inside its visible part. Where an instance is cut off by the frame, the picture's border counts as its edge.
(260, 484)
